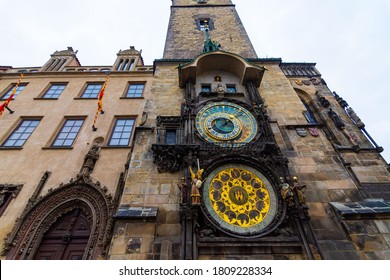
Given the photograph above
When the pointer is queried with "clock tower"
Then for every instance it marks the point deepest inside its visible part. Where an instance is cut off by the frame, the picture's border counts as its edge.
(185, 36)
(241, 157)
(214, 131)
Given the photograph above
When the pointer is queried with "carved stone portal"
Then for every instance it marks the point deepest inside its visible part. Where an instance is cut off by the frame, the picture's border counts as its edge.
(82, 193)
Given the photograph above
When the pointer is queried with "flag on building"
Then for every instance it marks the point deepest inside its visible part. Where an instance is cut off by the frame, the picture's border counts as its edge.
(5, 104)
(100, 102)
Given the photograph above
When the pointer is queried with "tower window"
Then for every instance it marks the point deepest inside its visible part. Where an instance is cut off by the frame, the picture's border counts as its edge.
(203, 22)
(308, 113)
(231, 88)
(170, 137)
(206, 88)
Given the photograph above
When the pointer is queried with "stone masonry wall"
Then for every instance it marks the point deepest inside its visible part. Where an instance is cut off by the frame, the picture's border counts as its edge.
(184, 40)
(145, 186)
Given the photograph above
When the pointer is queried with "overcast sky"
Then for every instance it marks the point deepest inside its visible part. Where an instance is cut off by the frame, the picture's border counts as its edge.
(348, 39)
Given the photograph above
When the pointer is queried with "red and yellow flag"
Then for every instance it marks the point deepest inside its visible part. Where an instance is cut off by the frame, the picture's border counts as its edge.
(5, 104)
(100, 102)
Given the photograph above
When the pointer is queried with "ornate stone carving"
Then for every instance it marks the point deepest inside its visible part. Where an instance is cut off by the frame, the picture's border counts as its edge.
(7, 192)
(169, 158)
(355, 118)
(91, 157)
(340, 100)
(68, 52)
(322, 100)
(131, 51)
(183, 191)
(336, 119)
(168, 120)
(80, 193)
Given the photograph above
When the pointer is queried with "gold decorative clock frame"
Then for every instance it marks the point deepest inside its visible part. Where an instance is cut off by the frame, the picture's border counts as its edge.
(240, 201)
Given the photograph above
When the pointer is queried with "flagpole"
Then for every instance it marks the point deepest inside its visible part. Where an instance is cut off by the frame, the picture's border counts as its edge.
(100, 102)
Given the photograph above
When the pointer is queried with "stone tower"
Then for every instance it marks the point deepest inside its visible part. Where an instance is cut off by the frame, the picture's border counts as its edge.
(247, 158)
(187, 23)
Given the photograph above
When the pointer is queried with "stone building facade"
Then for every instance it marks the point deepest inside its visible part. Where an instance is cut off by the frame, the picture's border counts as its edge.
(229, 156)
(55, 168)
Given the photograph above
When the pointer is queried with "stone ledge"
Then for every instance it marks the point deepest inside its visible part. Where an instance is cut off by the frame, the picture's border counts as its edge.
(366, 209)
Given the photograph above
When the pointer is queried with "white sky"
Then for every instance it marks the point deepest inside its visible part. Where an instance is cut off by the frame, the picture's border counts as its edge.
(348, 39)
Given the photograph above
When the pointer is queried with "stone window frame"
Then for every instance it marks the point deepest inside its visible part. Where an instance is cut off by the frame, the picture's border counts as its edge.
(85, 95)
(15, 130)
(60, 130)
(56, 92)
(136, 94)
(204, 86)
(114, 126)
(7, 193)
(233, 88)
(307, 102)
(169, 124)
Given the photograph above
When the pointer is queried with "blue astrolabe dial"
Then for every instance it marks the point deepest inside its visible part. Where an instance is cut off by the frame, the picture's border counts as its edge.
(226, 122)
(223, 126)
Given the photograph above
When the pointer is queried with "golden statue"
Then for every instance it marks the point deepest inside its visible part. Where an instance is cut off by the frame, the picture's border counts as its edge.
(196, 183)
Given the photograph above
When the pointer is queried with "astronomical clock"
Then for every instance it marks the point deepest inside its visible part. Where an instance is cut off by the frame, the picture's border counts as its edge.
(226, 122)
(240, 200)
(237, 199)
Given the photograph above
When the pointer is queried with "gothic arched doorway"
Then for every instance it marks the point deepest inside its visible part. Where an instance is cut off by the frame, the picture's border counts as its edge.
(73, 221)
(67, 239)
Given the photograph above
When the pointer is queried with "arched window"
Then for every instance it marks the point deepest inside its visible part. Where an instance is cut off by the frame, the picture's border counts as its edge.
(310, 113)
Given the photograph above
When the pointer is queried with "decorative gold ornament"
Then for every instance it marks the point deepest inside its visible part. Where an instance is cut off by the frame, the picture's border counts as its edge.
(240, 200)
(239, 197)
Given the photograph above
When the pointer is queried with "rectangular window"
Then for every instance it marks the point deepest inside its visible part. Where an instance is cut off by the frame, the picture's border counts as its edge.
(170, 137)
(231, 88)
(20, 135)
(206, 88)
(68, 133)
(203, 23)
(121, 134)
(54, 91)
(92, 90)
(135, 90)
(19, 89)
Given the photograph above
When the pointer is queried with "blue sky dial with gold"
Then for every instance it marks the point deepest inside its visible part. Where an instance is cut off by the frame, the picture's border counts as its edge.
(226, 122)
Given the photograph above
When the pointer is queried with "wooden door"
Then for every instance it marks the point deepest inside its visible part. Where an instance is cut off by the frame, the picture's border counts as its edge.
(67, 239)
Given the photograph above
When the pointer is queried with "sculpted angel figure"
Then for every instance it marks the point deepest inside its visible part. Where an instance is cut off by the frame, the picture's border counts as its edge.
(196, 183)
